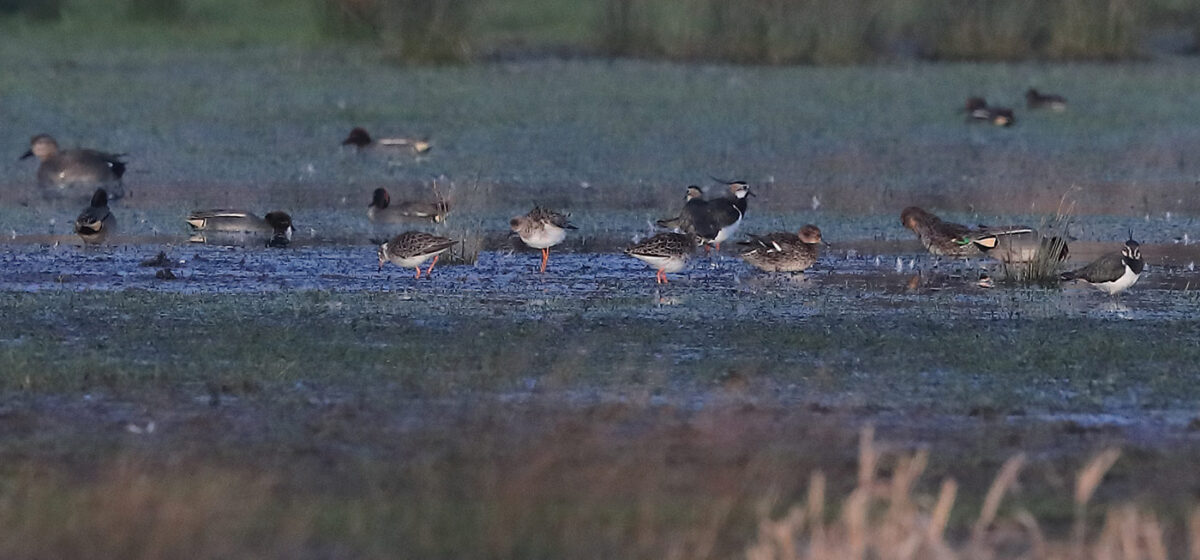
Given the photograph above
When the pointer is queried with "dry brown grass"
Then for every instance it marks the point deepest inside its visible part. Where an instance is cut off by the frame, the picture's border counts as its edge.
(133, 512)
(884, 519)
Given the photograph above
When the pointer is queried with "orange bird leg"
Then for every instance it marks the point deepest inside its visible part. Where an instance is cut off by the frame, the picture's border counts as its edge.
(545, 258)
(418, 272)
(430, 271)
(664, 276)
(718, 247)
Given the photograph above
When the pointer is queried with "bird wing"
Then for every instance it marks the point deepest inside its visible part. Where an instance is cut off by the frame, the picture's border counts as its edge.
(723, 212)
(1108, 268)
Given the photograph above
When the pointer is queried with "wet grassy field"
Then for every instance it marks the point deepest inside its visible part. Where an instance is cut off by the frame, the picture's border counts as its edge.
(298, 403)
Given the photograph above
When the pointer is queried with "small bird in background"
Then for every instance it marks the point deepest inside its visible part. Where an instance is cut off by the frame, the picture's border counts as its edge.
(95, 223)
(784, 251)
(665, 252)
(542, 229)
(381, 210)
(75, 173)
(360, 138)
(412, 248)
(1112, 273)
(239, 225)
(692, 216)
(1035, 99)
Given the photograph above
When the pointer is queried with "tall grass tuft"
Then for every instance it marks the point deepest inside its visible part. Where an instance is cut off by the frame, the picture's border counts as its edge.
(1047, 262)
(886, 519)
(467, 201)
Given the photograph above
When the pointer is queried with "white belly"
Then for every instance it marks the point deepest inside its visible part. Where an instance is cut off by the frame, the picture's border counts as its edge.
(546, 237)
(413, 262)
(727, 231)
(1120, 284)
(665, 264)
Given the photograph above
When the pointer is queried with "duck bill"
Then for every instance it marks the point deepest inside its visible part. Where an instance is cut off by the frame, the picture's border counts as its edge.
(26, 155)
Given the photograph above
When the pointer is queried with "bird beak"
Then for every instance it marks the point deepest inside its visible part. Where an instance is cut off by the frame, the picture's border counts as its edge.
(28, 154)
(827, 244)
(750, 193)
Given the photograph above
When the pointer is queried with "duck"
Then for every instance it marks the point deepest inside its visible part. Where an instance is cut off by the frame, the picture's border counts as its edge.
(1020, 247)
(222, 222)
(665, 252)
(724, 215)
(360, 138)
(1114, 272)
(541, 229)
(784, 251)
(73, 173)
(96, 223)
(412, 248)
(977, 109)
(949, 239)
(382, 211)
(1035, 99)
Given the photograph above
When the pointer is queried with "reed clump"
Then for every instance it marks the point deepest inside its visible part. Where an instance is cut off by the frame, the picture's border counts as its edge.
(883, 518)
(1051, 251)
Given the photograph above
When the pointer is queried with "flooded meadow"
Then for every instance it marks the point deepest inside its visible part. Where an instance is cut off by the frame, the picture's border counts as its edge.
(299, 402)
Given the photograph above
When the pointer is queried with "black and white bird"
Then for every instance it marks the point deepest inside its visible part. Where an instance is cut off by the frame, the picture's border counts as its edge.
(725, 214)
(96, 223)
(1113, 273)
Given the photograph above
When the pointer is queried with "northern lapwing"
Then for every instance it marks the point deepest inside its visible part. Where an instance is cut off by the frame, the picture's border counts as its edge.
(783, 251)
(725, 214)
(665, 252)
(542, 229)
(75, 173)
(382, 211)
(95, 223)
(412, 248)
(275, 228)
(1112, 273)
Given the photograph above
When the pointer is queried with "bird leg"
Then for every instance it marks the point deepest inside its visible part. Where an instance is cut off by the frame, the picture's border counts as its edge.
(545, 258)
(430, 271)
(418, 272)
